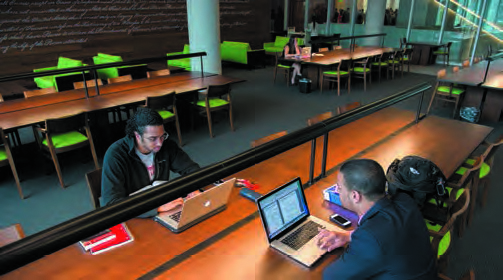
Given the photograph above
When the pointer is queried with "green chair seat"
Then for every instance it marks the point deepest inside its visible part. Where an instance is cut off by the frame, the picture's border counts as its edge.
(335, 73)
(66, 139)
(380, 63)
(393, 61)
(44, 82)
(165, 114)
(454, 90)
(449, 189)
(440, 52)
(444, 242)
(3, 154)
(360, 69)
(404, 58)
(284, 66)
(484, 169)
(214, 102)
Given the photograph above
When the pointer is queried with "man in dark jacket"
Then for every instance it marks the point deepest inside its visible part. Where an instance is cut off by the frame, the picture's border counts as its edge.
(143, 156)
(391, 241)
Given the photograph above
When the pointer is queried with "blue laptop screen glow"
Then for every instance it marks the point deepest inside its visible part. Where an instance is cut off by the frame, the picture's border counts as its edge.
(283, 208)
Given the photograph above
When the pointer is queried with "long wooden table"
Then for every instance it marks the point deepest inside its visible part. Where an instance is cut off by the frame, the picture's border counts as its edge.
(25, 112)
(232, 245)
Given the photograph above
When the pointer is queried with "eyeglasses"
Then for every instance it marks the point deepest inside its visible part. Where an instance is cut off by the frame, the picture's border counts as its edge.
(162, 138)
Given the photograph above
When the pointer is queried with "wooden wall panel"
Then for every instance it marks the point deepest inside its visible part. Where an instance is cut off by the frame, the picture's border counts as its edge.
(34, 33)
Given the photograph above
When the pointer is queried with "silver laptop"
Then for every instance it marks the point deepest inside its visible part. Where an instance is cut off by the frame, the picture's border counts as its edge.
(197, 208)
(288, 225)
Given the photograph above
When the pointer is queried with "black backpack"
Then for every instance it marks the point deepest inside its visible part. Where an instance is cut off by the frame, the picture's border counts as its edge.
(420, 178)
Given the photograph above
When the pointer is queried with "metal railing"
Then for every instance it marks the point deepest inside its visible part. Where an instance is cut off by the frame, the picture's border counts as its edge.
(352, 39)
(36, 246)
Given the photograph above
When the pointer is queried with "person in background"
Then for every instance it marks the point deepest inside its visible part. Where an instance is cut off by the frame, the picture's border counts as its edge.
(292, 49)
(145, 155)
(391, 241)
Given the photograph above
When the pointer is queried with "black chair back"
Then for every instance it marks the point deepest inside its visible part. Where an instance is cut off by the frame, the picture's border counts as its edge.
(218, 90)
(93, 180)
(161, 102)
(65, 124)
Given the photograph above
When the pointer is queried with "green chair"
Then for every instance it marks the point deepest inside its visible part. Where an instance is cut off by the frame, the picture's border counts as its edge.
(441, 234)
(7, 159)
(361, 69)
(286, 71)
(216, 97)
(395, 63)
(107, 73)
(276, 47)
(407, 57)
(446, 49)
(50, 81)
(66, 134)
(381, 62)
(447, 92)
(343, 71)
(183, 62)
(165, 105)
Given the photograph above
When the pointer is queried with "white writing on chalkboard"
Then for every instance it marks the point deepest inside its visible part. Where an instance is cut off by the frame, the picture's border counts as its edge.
(25, 24)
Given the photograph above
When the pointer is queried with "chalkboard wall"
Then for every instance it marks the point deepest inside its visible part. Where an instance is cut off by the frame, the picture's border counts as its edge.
(33, 33)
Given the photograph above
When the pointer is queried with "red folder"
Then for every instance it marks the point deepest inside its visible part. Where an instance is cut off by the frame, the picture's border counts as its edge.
(122, 236)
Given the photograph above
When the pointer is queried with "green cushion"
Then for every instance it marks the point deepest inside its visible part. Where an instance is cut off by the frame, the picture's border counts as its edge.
(64, 62)
(66, 139)
(449, 189)
(360, 69)
(444, 242)
(113, 58)
(454, 90)
(484, 169)
(235, 52)
(165, 114)
(3, 154)
(404, 58)
(44, 82)
(440, 52)
(214, 102)
(284, 66)
(281, 41)
(183, 62)
(393, 61)
(381, 63)
(273, 49)
(186, 48)
(335, 72)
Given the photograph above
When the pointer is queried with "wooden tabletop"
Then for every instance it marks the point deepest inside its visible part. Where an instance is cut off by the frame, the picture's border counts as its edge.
(41, 108)
(335, 56)
(245, 254)
(232, 244)
(471, 76)
(494, 78)
(70, 95)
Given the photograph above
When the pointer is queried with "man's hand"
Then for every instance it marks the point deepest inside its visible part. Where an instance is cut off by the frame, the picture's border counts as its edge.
(192, 194)
(329, 240)
(170, 205)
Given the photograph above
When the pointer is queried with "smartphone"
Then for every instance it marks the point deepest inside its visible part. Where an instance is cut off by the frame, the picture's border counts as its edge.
(340, 220)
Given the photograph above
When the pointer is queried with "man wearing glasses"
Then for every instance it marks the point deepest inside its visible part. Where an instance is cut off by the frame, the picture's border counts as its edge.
(391, 240)
(145, 155)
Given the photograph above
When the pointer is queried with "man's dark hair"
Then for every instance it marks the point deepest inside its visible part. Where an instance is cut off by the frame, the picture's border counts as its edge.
(365, 176)
(142, 118)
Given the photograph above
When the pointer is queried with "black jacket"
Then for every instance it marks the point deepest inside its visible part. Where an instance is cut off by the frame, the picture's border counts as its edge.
(391, 242)
(125, 173)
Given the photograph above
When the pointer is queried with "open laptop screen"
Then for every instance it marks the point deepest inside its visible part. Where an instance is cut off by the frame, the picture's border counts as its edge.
(283, 207)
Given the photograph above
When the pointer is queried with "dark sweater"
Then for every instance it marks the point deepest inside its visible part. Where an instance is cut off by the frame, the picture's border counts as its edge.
(391, 242)
(125, 173)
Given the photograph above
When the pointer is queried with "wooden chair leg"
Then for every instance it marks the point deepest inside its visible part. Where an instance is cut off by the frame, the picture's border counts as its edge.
(364, 81)
(349, 84)
(231, 117)
(208, 115)
(91, 146)
(431, 100)
(56, 165)
(14, 171)
(455, 107)
(338, 85)
(321, 84)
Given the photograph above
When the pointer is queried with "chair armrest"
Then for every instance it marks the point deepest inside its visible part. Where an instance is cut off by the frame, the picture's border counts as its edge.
(270, 44)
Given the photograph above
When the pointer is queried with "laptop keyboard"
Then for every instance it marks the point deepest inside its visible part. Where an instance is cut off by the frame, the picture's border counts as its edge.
(302, 235)
(176, 216)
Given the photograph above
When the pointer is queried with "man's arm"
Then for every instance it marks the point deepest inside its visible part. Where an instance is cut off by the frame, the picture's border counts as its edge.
(362, 259)
(180, 162)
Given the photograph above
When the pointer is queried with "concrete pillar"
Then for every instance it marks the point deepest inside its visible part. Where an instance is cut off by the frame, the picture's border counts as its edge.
(330, 10)
(352, 20)
(204, 34)
(306, 15)
(375, 21)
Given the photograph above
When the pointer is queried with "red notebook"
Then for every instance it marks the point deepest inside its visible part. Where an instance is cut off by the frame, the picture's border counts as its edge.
(122, 236)
(97, 239)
